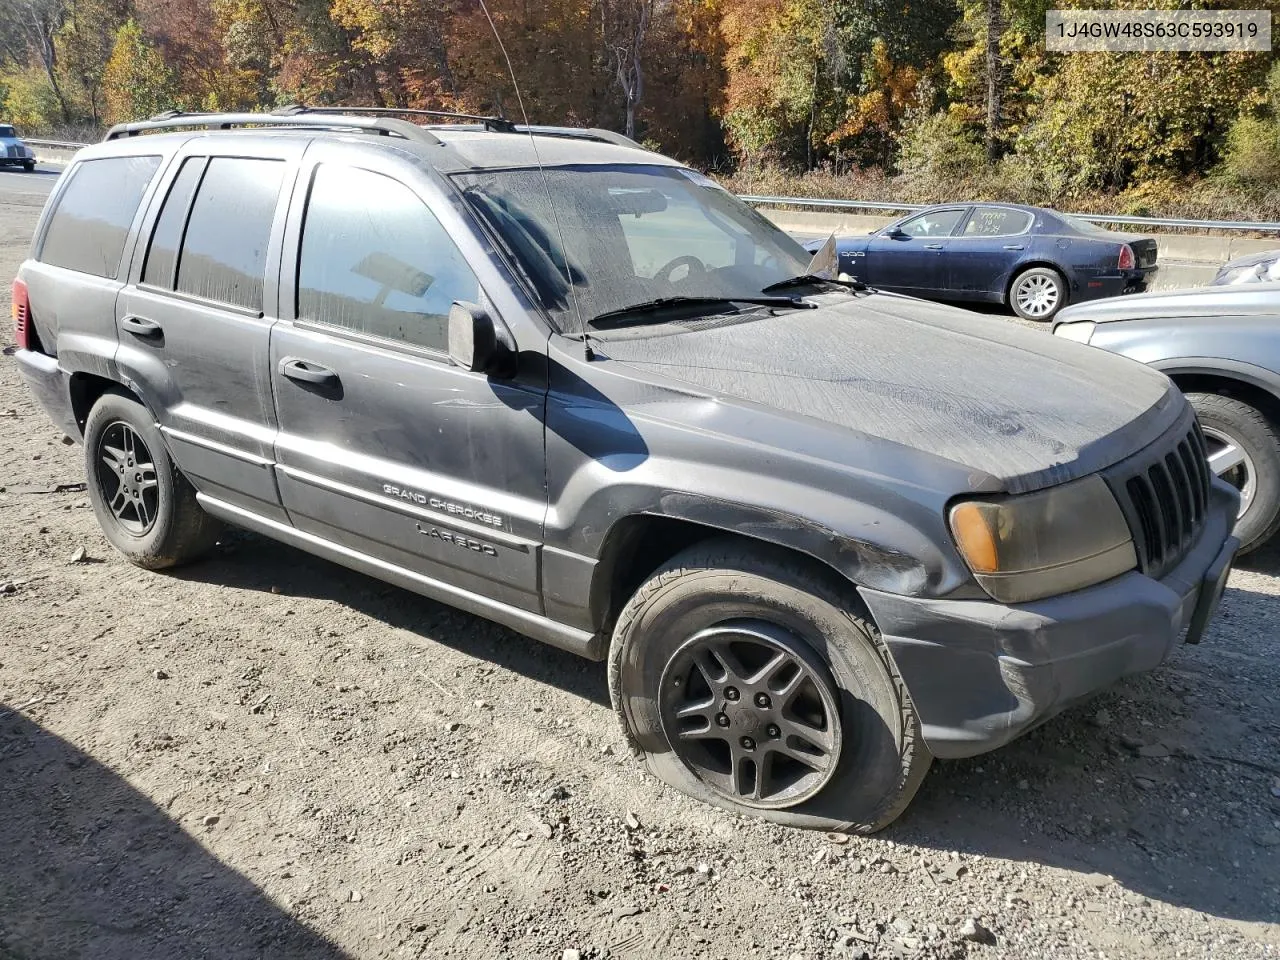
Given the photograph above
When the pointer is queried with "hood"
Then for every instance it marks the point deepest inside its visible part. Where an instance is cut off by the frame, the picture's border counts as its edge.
(1249, 260)
(1238, 300)
(1026, 408)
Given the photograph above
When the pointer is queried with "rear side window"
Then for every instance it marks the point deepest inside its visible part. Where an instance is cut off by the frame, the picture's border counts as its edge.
(998, 222)
(90, 225)
(224, 253)
(374, 260)
(162, 257)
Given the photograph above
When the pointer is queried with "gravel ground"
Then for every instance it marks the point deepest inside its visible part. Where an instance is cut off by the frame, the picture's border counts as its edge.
(266, 756)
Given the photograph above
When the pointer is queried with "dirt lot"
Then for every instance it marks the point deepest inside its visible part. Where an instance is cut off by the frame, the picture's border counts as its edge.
(265, 756)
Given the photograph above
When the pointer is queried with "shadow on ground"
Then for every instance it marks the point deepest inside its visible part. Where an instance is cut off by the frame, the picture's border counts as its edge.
(1072, 794)
(91, 868)
(249, 562)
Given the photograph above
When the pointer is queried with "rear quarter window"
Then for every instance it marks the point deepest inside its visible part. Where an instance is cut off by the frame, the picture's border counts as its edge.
(89, 226)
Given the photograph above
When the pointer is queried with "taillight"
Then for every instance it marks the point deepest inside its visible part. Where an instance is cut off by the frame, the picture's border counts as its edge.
(21, 315)
(1126, 257)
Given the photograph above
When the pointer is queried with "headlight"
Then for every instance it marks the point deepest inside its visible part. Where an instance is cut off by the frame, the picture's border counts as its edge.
(1042, 544)
(1236, 275)
(1079, 332)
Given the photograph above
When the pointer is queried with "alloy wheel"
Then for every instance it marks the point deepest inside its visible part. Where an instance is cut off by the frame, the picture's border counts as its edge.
(1037, 295)
(127, 478)
(1230, 461)
(751, 711)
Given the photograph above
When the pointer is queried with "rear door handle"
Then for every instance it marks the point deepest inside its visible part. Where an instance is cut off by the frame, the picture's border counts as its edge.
(933, 246)
(142, 326)
(304, 371)
(1013, 246)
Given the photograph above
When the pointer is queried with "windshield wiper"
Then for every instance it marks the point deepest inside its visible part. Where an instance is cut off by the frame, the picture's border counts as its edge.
(662, 303)
(811, 279)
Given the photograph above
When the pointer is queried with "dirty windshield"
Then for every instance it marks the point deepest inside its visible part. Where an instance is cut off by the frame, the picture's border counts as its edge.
(626, 235)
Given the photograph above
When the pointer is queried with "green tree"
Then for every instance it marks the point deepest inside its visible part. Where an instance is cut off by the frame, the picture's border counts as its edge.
(137, 83)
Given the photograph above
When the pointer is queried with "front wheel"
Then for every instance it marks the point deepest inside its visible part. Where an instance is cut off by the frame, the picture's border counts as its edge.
(746, 680)
(1038, 294)
(29, 166)
(1244, 450)
(145, 506)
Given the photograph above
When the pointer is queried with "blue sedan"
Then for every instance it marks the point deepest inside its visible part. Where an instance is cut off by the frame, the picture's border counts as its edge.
(1033, 260)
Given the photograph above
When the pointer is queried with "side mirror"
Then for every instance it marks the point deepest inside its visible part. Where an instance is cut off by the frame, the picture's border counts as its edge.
(893, 233)
(480, 343)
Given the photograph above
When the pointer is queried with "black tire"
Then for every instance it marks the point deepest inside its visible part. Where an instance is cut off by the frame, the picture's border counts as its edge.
(29, 166)
(163, 526)
(880, 758)
(1045, 279)
(1229, 420)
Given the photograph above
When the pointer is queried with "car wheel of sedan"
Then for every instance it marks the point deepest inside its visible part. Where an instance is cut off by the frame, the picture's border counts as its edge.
(146, 507)
(748, 679)
(1244, 450)
(1038, 293)
(29, 166)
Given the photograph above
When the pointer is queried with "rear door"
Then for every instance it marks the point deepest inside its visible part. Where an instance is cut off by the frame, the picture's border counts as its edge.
(194, 322)
(979, 260)
(910, 260)
(386, 448)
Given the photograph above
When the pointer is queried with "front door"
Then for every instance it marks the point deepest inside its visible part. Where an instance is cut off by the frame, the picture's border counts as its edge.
(194, 322)
(385, 448)
(909, 259)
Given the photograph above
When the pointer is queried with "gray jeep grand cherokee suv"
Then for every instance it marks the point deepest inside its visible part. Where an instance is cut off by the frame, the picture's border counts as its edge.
(820, 534)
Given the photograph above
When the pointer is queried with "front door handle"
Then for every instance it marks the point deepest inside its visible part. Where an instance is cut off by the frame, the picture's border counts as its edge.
(305, 371)
(1013, 246)
(142, 326)
(933, 246)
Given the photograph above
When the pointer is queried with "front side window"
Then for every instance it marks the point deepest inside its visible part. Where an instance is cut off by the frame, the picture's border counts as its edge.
(996, 222)
(224, 251)
(594, 239)
(374, 260)
(8, 132)
(89, 227)
(932, 223)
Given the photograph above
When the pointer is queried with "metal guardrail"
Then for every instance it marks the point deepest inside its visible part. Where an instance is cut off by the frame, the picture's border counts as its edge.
(1233, 225)
(53, 144)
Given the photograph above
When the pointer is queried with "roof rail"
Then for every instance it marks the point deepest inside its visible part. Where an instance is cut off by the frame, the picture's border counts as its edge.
(494, 124)
(177, 120)
(583, 133)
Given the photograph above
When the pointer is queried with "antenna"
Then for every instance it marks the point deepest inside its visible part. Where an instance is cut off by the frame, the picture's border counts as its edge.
(542, 173)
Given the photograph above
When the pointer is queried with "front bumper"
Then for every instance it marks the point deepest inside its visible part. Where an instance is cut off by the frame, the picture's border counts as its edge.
(981, 673)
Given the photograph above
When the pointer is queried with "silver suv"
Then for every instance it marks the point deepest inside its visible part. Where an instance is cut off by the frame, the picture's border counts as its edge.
(13, 152)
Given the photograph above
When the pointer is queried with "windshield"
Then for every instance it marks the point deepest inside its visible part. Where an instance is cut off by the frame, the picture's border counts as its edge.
(7, 131)
(631, 234)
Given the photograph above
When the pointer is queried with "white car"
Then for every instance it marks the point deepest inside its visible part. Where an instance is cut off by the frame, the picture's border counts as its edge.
(13, 151)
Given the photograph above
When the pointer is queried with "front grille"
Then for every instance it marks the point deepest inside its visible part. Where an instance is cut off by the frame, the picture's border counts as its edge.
(1164, 493)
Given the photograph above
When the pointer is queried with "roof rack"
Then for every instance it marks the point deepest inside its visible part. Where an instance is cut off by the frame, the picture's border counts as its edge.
(493, 124)
(380, 120)
(302, 118)
(582, 133)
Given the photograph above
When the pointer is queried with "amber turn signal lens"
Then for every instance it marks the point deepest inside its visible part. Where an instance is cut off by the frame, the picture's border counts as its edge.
(975, 538)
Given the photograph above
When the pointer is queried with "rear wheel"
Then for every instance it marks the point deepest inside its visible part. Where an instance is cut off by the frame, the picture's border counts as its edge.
(745, 679)
(1038, 293)
(146, 508)
(1244, 450)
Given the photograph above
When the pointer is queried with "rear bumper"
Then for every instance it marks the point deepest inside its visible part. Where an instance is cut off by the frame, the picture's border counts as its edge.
(1112, 285)
(51, 387)
(981, 673)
